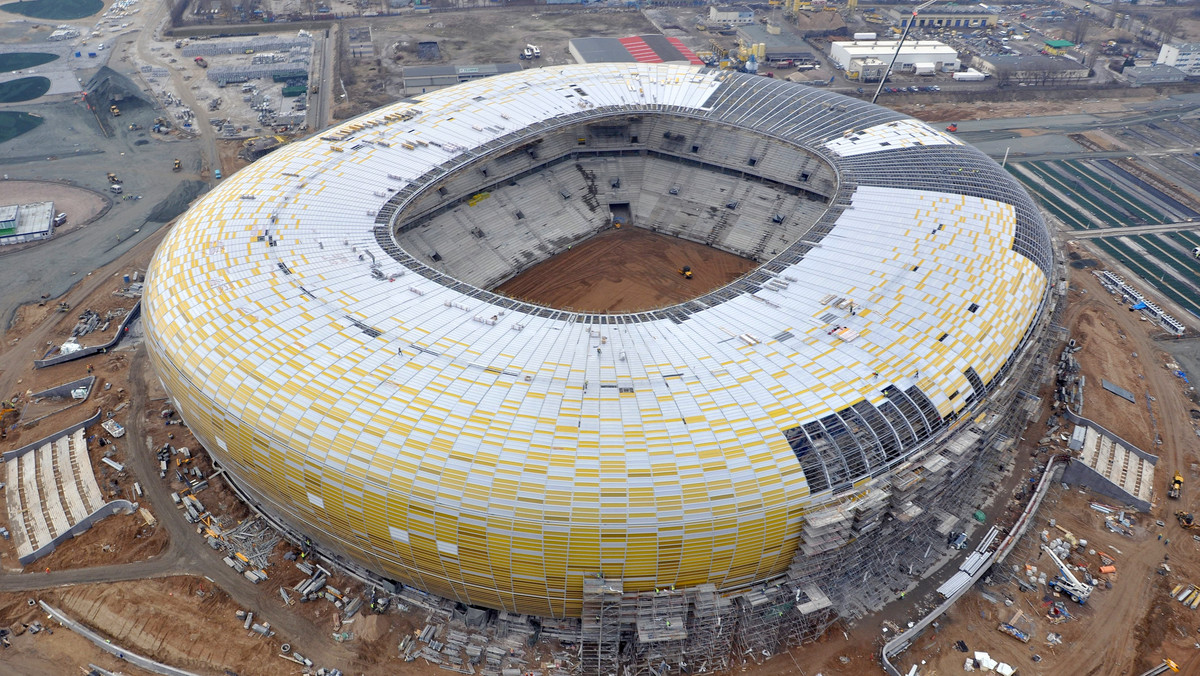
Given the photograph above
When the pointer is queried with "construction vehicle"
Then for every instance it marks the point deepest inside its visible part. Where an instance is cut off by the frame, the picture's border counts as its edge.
(1066, 582)
(1186, 520)
(953, 127)
(1176, 489)
(116, 112)
(201, 62)
(1167, 665)
(112, 178)
(686, 271)
(177, 165)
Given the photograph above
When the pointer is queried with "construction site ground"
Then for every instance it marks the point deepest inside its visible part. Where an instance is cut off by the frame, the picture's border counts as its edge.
(1132, 626)
(1121, 631)
(375, 76)
(626, 270)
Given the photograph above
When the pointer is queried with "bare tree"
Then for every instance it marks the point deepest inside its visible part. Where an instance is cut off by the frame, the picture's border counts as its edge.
(1080, 30)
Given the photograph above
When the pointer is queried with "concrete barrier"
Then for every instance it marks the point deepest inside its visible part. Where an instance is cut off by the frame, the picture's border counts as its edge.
(85, 524)
(16, 453)
(108, 647)
(134, 313)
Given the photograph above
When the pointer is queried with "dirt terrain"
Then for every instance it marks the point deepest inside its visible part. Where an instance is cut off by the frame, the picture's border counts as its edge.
(1132, 626)
(373, 72)
(626, 270)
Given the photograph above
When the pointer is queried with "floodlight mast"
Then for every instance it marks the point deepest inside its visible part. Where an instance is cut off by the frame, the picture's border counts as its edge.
(900, 44)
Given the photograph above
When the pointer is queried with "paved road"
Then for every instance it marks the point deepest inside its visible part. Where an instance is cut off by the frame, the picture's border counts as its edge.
(1092, 233)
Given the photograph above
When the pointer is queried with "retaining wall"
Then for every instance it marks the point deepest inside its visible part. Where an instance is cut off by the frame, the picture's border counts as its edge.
(134, 313)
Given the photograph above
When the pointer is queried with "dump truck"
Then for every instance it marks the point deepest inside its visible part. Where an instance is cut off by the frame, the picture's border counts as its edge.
(201, 62)
(116, 112)
(177, 165)
(1066, 582)
(1176, 489)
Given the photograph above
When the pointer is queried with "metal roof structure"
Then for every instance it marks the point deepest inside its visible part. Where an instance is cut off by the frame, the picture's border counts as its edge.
(635, 49)
(379, 399)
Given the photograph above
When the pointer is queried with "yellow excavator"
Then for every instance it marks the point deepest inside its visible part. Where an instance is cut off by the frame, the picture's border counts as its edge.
(1186, 520)
(686, 271)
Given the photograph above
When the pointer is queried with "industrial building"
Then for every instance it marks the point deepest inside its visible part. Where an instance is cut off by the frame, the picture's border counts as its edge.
(26, 222)
(1031, 69)
(1182, 55)
(1158, 73)
(325, 322)
(859, 57)
(949, 15)
(780, 45)
(423, 79)
(730, 14)
(635, 49)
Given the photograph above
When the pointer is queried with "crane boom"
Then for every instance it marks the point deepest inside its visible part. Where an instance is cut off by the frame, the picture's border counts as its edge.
(1066, 582)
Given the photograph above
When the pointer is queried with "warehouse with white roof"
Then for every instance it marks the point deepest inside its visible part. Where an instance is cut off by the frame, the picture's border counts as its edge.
(938, 56)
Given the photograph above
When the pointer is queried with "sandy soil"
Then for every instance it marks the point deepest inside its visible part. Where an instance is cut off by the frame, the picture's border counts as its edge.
(626, 270)
(80, 204)
(987, 110)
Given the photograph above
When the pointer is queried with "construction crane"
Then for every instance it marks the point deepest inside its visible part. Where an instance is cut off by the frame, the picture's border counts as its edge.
(1066, 582)
(900, 44)
(1176, 489)
(1167, 665)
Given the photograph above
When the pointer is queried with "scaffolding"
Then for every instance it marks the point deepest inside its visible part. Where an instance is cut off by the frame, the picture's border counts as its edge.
(600, 634)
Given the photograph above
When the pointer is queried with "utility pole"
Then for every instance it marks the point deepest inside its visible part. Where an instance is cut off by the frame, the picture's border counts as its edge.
(900, 44)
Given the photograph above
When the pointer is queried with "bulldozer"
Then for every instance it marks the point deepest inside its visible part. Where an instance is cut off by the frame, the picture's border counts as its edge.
(177, 166)
(1186, 520)
(686, 271)
(1176, 489)
(112, 178)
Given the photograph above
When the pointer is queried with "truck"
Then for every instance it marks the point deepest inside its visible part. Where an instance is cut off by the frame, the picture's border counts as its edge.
(201, 62)
(1176, 489)
(116, 112)
(1066, 582)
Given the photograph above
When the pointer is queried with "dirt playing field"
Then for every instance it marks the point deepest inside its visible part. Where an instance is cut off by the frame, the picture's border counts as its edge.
(627, 270)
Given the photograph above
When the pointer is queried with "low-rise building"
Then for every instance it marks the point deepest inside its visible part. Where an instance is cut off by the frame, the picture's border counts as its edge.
(732, 14)
(634, 49)
(780, 44)
(1152, 75)
(423, 79)
(852, 56)
(948, 15)
(1031, 70)
(26, 222)
(1182, 55)
(1058, 47)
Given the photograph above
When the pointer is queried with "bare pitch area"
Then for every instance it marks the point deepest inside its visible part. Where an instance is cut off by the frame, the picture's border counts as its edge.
(626, 270)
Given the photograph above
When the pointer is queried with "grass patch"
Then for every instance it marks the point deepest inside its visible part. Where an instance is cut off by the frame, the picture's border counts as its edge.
(23, 89)
(23, 60)
(13, 124)
(58, 10)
